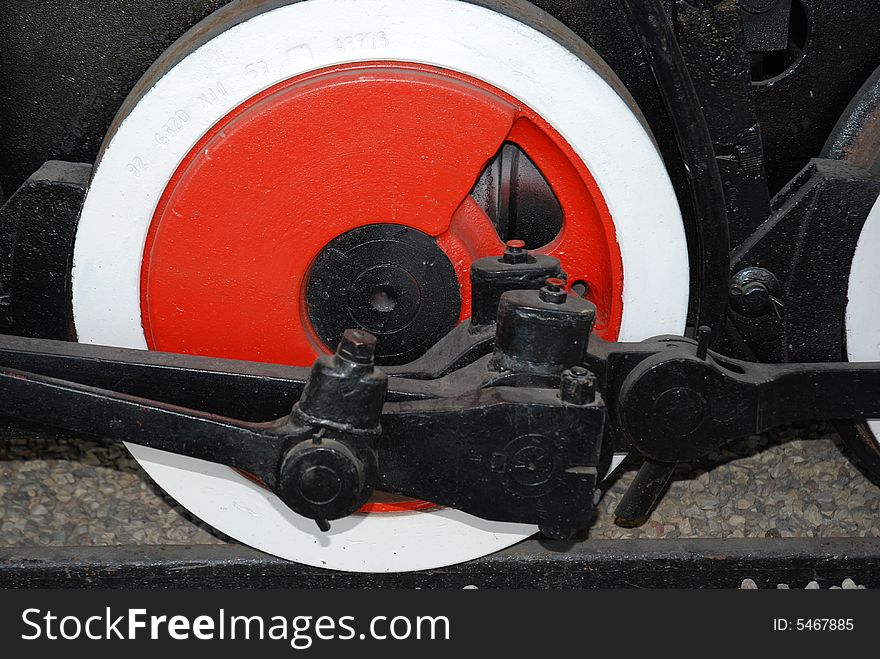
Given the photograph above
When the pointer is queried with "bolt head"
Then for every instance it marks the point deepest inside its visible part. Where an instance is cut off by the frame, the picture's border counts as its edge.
(320, 484)
(553, 291)
(322, 480)
(679, 411)
(577, 386)
(357, 346)
(755, 298)
(752, 291)
(515, 252)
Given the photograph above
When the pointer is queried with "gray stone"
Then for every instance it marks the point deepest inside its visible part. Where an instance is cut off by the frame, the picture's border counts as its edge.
(707, 501)
(737, 520)
(85, 493)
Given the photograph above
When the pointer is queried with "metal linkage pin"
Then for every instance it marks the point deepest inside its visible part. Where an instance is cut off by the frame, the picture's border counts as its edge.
(704, 337)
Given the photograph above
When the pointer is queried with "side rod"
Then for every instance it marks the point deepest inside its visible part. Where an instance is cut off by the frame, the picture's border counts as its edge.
(253, 447)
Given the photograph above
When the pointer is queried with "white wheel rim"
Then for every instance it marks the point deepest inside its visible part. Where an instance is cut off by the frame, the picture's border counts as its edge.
(863, 303)
(290, 40)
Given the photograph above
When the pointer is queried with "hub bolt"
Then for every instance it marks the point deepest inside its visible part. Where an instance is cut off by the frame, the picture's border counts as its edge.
(323, 479)
(554, 291)
(755, 298)
(357, 346)
(515, 252)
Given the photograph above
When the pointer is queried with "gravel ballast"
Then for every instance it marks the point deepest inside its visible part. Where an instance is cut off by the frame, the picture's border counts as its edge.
(57, 492)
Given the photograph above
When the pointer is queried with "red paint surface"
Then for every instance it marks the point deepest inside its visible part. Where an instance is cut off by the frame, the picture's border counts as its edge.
(253, 203)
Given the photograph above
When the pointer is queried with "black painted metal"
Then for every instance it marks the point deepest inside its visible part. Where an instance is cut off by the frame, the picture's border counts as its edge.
(491, 277)
(387, 279)
(345, 391)
(695, 563)
(676, 407)
(766, 24)
(542, 332)
(713, 46)
(644, 493)
(37, 228)
(654, 28)
(807, 245)
(518, 199)
(68, 65)
(331, 472)
(515, 270)
(798, 109)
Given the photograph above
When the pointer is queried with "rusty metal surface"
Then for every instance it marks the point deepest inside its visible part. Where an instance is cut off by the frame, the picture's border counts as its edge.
(856, 138)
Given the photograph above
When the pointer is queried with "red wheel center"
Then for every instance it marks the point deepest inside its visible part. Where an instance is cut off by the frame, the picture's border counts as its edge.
(255, 201)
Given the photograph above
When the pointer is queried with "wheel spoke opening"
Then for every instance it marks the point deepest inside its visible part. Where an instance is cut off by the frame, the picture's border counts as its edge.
(517, 198)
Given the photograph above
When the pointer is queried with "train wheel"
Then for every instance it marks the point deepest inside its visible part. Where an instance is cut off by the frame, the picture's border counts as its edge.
(288, 169)
(856, 138)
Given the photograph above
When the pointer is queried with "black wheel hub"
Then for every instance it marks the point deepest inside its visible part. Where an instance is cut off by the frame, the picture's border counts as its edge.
(390, 280)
